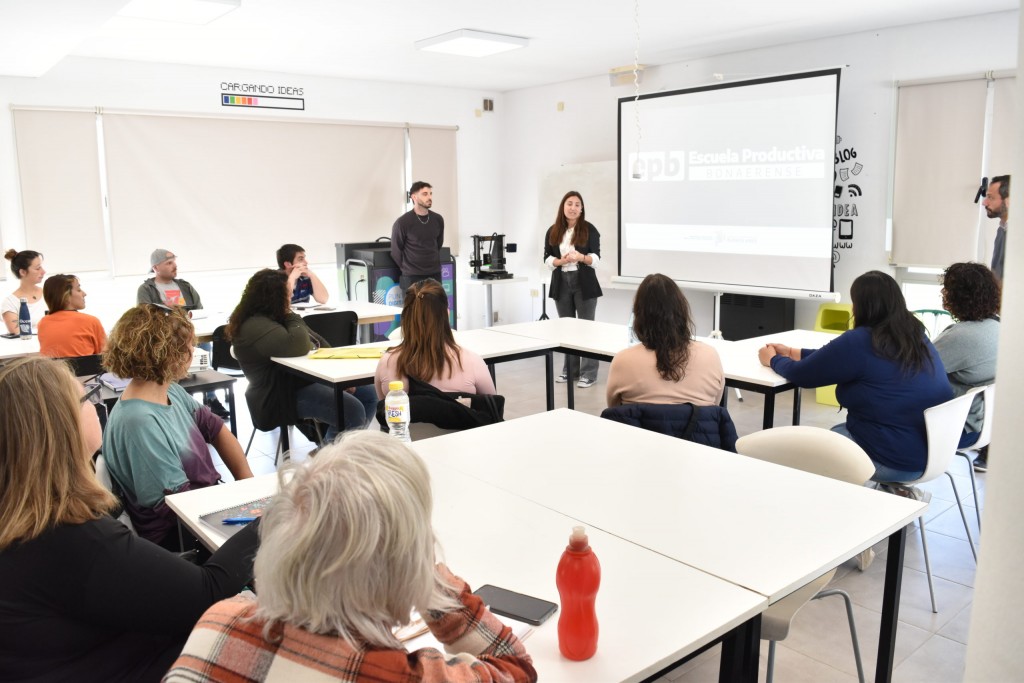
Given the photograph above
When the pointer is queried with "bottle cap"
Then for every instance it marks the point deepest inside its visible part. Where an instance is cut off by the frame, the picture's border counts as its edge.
(579, 540)
(24, 300)
(396, 385)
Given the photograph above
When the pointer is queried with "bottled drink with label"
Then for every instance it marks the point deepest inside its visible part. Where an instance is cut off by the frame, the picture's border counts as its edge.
(24, 320)
(396, 411)
(578, 578)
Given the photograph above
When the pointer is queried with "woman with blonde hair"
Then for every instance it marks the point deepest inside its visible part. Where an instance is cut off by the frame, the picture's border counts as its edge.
(347, 553)
(156, 438)
(85, 599)
(66, 331)
(27, 266)
(428, 350)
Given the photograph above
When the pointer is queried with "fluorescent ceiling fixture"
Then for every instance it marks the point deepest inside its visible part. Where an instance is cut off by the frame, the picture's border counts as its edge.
(469, 43)
(181, 11)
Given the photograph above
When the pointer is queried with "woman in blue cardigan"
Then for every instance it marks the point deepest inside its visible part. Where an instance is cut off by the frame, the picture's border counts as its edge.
(887, 374)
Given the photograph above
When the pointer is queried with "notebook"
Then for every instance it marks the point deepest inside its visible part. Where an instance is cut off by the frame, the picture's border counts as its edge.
(253, 508)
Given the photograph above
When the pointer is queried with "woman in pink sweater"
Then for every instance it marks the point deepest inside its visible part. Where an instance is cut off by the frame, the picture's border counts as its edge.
(428, 350)
(668, 366)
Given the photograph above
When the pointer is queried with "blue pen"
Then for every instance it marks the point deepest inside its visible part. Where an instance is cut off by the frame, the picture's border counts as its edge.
(238, 520)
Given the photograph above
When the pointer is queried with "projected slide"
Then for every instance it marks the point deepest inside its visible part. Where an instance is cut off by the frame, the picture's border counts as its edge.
(731, 184)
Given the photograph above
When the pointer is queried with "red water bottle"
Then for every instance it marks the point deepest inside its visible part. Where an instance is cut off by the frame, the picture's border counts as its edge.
(578, 578)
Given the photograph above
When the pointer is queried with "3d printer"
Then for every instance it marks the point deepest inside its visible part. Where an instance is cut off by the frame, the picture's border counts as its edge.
(490, 265)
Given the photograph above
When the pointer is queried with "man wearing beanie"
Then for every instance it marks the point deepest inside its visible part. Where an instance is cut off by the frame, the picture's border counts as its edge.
(165, 287)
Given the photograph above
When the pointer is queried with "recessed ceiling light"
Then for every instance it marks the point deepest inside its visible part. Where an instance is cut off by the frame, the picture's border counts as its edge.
(469, 43)
(181, 11)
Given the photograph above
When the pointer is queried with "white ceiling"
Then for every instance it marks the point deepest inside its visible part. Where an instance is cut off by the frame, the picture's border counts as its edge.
(373, 39)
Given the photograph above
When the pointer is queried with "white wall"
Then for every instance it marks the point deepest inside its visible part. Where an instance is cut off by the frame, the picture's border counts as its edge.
(997, 616)
(537, 138)
(79, 82)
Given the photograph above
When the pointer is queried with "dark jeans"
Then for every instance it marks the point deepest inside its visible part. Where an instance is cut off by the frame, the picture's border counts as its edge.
(317, 401)
(571, 304)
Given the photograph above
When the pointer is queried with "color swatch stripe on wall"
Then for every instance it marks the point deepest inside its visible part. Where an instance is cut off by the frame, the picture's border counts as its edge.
(263, 102)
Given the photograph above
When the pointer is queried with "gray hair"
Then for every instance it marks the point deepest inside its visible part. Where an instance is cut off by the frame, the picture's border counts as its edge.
(347, 546)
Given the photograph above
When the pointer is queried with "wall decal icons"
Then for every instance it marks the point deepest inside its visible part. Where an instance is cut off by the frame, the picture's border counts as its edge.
(844, 213)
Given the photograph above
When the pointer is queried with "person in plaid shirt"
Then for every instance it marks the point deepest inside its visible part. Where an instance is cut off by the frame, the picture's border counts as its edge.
(346, 554)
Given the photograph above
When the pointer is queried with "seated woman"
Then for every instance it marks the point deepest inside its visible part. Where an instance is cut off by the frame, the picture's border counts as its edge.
(668, 366)
(85, 599)
(887, 373)
(66, 331)
(156, 438)
(263, 326)
(971, 294)
(428, 350)
(347, 552)
(27, 266)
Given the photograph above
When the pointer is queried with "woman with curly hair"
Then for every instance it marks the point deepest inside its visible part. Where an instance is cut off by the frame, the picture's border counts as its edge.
(263, 326)
(971, 293)
(668, 366)
(156, 438)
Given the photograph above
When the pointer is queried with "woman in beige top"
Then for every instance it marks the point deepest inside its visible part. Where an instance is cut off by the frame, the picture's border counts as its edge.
(668, 366)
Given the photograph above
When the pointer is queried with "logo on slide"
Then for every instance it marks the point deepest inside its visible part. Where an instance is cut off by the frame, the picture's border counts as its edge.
(668, 165)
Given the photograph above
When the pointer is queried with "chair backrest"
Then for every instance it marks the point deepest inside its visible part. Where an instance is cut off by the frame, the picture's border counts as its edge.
(221, 356)
(944, 424)
(85, 365)
(103, 476)
(934, 320)
(811, 449)
(339, 328)
(985, 438)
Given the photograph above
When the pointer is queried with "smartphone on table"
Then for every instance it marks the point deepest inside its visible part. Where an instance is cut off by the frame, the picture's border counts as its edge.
(516, 605)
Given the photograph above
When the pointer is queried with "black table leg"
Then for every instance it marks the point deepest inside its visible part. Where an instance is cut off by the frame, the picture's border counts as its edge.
(769, 410)
(570, 395)
(230, 391)
(549, 385)
(890, 605)
(741, 648)
(797, 393)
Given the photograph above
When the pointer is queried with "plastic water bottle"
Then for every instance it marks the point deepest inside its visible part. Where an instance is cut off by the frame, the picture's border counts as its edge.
(396, 411)
(24, 320)
(630, 335)
(578, 578)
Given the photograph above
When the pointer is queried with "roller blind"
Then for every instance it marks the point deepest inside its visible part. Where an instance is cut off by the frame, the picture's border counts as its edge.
(226, 193)
(939, 136)
(58, 167)
(434, 160)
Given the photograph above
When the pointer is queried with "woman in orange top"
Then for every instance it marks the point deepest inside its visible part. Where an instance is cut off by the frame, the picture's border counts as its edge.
(65, 331)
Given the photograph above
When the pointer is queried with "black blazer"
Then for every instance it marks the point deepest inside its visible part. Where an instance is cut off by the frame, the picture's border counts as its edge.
(588, 277)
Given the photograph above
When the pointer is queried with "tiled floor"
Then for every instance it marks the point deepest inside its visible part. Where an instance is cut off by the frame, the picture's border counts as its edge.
(930, 647)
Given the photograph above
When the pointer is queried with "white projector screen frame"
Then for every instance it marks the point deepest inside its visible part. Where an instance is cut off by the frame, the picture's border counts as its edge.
(725, 187)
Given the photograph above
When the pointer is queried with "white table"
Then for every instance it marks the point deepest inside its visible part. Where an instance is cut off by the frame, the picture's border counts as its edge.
(488, 294)
(368, 313)
(740, 364)
(492, 346)
(767, 528)
(13, 348)
(677, 609)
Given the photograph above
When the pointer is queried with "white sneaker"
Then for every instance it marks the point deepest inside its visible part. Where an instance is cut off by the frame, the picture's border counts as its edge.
(585, 383)
(562, 379)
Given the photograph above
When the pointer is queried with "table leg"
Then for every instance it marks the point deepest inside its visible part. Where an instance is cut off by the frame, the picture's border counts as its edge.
(796, 405)
(488, 306)
(769, 411)
(230, 391)
(494, 377)
(890, 605)
(740, 650)
(570, 395)
(549, 383)
(339, 401)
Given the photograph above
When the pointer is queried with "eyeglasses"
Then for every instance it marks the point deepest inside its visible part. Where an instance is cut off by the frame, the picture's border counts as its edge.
(92, 393)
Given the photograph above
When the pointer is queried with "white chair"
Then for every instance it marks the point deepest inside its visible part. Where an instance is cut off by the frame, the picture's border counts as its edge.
(944, 424)
(822, 452)
(984, 439)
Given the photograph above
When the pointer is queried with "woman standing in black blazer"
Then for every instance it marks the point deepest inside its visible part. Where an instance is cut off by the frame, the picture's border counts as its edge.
(572, 249)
